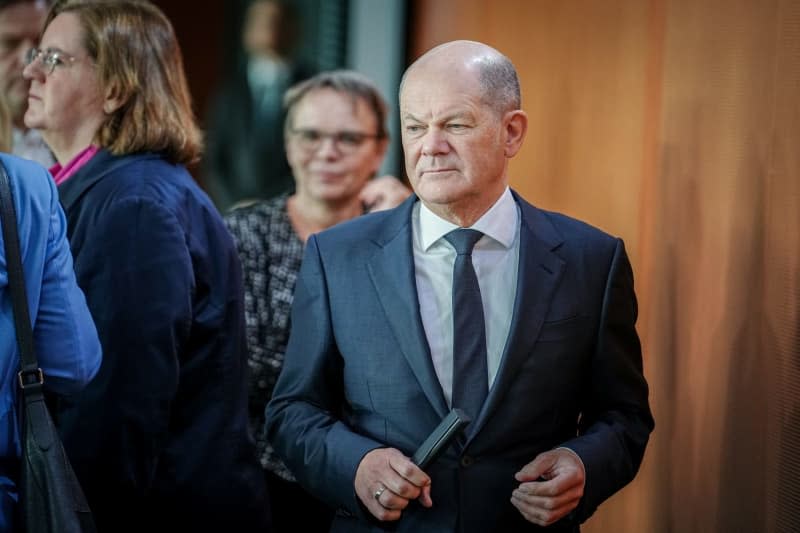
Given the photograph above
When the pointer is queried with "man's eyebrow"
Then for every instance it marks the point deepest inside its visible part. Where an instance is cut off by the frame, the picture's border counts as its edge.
(458, 115)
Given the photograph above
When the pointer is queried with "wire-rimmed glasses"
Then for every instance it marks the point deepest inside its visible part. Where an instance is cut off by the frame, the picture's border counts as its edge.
(50, 58)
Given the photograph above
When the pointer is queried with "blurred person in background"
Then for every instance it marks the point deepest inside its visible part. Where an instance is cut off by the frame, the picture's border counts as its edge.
(20, 25)
(245, 157)
(159, 439)
(335, 141)
(64, 336)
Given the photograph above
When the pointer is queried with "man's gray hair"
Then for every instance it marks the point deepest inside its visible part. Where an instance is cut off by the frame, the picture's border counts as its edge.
(500, 83)
(497, 77)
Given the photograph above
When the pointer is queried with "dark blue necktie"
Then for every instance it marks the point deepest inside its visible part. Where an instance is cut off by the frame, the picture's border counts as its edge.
(470, 380)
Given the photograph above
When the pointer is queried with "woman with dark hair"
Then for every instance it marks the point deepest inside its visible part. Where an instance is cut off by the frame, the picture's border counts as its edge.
(159, 439)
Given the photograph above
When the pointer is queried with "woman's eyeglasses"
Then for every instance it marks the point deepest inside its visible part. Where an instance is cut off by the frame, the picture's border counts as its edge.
(345, 141)
(50, 58)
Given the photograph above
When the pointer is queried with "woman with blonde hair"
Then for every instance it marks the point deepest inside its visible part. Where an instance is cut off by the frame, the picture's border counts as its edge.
(159, 438)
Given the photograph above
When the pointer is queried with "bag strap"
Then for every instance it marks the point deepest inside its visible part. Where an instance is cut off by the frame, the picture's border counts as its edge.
(30, 375)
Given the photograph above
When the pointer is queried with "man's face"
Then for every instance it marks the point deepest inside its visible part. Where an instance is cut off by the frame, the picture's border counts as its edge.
(264, 30)
(20, 25)
(454, 143)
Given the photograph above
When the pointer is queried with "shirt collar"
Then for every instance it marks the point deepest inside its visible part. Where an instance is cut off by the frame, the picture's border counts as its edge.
(499, 222)
(62, 173)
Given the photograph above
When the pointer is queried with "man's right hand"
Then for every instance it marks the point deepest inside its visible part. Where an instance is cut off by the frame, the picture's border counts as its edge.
(387, 480)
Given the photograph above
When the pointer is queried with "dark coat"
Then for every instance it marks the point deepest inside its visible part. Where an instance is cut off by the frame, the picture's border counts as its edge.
(245, 156)
(358, 373)
(159, 438)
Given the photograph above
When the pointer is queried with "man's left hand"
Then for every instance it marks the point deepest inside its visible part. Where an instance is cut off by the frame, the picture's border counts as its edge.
(550, 486)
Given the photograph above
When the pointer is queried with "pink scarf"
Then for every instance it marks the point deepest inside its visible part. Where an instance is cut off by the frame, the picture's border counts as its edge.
(63, 173)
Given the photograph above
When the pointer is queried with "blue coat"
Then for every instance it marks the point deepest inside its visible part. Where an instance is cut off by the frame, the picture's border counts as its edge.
(162, 430)
(64, 336)
(358, 373)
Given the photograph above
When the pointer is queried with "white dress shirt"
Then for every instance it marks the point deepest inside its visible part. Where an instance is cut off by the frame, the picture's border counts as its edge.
(268, 80)
(496, 260)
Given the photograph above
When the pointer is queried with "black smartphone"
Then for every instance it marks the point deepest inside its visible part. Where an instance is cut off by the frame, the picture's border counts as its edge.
(448, 429)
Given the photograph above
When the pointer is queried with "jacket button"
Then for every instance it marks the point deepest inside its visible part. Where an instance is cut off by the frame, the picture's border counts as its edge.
(467, 461)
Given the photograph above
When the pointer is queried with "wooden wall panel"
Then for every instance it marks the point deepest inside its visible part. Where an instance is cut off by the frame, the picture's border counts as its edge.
(676, 124)
(200, 36)
(583, 67)
(719, 61)
(591, 79)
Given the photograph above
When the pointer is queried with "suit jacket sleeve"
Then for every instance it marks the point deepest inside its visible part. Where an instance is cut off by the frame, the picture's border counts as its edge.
(304, 417)
(616, 421)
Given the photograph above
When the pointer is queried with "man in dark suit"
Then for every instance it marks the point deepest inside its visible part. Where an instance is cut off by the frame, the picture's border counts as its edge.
(530, 329)
(245, 158)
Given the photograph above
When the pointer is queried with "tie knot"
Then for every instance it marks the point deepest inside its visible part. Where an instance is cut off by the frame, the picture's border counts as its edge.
(463, 240)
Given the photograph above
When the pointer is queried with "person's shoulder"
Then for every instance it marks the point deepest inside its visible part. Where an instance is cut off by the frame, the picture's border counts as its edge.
(576, 228)
(28, 180)
(32, 174)
(262, 209)
(256, 217)
(144, 167)
(559, 224)
(149, 177)
(370, 227)
(140, 184)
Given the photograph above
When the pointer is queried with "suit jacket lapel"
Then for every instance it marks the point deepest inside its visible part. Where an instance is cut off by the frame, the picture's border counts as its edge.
(392, 272)
(540, 270)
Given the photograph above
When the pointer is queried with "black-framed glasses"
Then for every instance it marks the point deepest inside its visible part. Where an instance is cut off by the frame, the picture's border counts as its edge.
(51, 58)
(345, 141)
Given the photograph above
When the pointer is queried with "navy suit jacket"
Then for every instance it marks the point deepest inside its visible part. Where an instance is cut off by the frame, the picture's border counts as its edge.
(159, 438)
(358, 373)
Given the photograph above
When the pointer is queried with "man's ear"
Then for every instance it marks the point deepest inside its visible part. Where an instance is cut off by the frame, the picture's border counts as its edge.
(516, 126)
